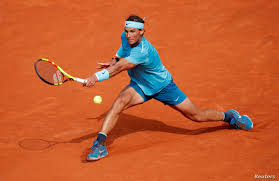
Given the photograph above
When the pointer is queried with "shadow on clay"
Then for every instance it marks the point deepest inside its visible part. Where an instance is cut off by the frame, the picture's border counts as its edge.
(127, 124)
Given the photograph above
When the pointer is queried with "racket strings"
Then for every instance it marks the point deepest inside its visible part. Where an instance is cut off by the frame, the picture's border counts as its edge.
(57, 77)
(49, 72)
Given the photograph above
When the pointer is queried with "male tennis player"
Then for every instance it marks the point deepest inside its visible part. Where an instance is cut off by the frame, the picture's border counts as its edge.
(149, 79)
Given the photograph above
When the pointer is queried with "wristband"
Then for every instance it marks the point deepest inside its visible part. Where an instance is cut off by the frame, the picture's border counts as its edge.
(116, 58)
(102, 75)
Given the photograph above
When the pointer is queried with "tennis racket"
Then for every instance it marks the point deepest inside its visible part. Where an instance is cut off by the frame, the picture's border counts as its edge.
(52, 74)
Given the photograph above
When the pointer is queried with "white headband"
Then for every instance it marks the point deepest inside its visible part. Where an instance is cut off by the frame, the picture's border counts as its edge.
(133, 24)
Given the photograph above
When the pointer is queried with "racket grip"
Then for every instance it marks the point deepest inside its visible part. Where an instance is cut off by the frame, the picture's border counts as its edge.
(81, 80)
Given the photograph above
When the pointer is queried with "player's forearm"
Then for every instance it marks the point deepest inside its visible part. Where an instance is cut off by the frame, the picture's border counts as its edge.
(115, 69)
(112, 62)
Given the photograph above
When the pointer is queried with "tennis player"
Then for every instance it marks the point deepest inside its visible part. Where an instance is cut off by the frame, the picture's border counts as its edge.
(149, 79)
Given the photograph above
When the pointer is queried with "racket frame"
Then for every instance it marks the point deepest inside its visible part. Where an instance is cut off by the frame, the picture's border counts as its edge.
(61, 70)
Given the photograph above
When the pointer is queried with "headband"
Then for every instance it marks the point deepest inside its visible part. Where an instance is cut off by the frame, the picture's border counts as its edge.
(133, 24)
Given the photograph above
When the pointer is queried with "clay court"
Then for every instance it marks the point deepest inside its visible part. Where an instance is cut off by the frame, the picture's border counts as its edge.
(222, 54)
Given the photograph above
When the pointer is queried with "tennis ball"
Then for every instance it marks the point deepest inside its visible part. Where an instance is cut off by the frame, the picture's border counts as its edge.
(97, 99)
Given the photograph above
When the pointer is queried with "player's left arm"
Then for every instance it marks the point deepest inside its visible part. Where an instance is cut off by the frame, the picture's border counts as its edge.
(113, 61)
(113, 70)
(120, 66)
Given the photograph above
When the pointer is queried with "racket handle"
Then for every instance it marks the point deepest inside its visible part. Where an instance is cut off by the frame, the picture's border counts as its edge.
(80, 80)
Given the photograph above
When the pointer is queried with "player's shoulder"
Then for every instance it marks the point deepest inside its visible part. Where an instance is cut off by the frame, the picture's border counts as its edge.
(147, 46)
(142, 48)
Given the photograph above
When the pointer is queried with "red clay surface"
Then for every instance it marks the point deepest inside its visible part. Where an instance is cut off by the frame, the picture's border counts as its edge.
(222, 54)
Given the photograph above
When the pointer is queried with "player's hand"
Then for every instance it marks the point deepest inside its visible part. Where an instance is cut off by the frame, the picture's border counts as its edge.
(90, 81)
(103, 65)
(106, 65)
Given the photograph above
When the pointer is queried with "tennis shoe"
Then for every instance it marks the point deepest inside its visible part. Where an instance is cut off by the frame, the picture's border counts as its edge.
(240, 121)
(97, 151)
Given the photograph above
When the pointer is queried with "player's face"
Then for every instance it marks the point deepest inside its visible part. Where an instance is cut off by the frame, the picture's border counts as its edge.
(133, 35)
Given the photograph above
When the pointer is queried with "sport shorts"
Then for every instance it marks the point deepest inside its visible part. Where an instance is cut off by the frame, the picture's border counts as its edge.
(170, 95)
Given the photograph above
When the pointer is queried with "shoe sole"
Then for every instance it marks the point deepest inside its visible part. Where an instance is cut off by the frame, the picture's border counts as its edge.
(95, 159)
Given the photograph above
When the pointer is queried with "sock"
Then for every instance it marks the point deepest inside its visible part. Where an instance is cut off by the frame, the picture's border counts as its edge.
(227, 117)
(101, 138)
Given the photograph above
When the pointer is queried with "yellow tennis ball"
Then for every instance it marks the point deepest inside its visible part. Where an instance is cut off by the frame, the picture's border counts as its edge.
(97, 99)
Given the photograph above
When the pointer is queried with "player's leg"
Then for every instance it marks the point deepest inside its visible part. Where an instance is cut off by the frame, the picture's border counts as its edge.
(191, 111)
(175, 98)
(128, 97)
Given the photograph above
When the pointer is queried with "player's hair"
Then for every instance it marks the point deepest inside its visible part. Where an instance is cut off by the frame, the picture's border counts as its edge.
(135, 18)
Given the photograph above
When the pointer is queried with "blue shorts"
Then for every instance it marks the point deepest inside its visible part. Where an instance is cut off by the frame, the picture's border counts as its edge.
(170, 95)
